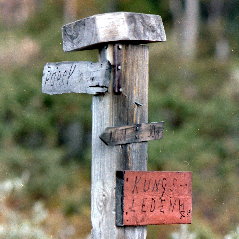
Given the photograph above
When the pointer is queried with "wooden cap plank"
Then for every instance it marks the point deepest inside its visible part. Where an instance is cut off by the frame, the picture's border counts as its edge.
(76, 77)
(89, 32)
(153, 198)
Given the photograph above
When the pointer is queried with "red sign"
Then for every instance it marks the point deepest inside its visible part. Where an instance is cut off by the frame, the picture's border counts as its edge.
(153, 198)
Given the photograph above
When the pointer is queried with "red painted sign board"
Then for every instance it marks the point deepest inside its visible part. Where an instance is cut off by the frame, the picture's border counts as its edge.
(153, 198)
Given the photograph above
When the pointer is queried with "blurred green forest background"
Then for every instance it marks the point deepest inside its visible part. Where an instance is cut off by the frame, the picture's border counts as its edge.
(45, 140)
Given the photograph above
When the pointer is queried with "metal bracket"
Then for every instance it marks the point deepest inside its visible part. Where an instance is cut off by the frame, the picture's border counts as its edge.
(117, 69)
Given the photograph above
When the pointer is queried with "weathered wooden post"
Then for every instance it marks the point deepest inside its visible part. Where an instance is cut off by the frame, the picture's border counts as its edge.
(120, 129)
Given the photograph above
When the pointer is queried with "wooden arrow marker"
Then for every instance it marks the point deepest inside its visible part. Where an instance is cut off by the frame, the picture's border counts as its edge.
(153, 198)
(132, 134)
(76, 77)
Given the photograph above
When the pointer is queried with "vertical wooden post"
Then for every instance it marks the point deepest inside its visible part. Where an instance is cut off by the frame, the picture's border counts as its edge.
(125, 103)
(119, 103)
(129, 107)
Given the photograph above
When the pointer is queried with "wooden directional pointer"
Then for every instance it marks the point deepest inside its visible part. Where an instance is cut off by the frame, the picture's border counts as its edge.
(132, 134)
(76, 77)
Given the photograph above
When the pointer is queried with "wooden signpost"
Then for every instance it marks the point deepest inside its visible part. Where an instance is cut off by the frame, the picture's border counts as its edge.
(120, 128)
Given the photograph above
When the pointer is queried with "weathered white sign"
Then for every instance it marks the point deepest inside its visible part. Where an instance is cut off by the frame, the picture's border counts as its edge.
(76, 77)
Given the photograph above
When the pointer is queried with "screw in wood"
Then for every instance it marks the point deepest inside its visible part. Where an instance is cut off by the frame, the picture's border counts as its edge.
(138, 104)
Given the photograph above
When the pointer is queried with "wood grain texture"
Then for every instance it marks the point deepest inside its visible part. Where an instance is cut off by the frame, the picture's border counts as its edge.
(132, 134)
(89, 32)
(76, 77)
(153, 198)
(116, 110)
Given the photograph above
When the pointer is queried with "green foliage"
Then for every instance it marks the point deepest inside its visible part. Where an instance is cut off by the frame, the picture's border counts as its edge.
(201, 132)
(199, 232)
(42, 20)
(45, 171)
(233, 234)
(203, 231)
(13, 224)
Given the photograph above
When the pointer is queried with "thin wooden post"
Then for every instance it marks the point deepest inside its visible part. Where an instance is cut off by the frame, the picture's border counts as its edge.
(129, 107)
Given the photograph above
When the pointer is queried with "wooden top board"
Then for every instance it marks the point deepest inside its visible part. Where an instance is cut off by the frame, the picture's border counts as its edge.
(76, 77)
(89, 32)
(132, 134)
(152, 198)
